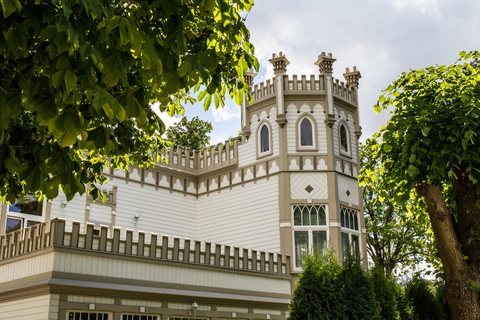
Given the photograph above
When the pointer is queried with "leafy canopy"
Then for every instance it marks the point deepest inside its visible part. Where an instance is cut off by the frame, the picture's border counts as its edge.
(432, 136)
(398, 233)
(191, 134)
(78, 77)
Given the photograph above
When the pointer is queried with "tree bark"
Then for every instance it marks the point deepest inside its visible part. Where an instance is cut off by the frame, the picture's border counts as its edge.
(460, 273)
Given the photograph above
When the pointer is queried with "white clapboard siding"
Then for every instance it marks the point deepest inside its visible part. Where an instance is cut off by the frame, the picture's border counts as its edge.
(69, 210)
(54, 306)
(247, 152)
(292, 116)
(351, 129)
(146, 271)
(100, 213)
(244, 216)
(159, 211)
(319, 115)
(353, 138)
(23, 268)
(33, 308)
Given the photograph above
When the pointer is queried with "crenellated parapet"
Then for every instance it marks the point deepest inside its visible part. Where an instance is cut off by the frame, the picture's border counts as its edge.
(54, 234)
(295, 84)
(201, 161)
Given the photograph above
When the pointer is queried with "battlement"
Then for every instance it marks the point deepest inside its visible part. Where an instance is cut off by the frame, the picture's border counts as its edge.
(314, 84)
(123, 242)
(200, 161)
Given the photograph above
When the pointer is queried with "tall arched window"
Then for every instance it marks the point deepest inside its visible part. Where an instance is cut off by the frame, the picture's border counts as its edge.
(306, 133)
(264, 139)
(344, 139)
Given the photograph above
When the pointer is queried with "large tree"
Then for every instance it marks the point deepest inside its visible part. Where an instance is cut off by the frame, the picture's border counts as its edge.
(431, 145)
(191, 134)
(398, 233)
(79, 77)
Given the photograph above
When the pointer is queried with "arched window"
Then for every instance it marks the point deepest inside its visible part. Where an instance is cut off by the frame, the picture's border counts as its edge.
(344, 139)
(306, 133)
(264, 139)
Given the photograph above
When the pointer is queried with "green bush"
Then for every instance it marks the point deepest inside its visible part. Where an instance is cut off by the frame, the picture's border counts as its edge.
(318, 295)
(404, 307)
(385, 294)
(358, 293)
(421, 294)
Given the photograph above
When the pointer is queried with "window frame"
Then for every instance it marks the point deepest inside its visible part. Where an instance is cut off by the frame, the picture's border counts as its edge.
(139, 315)
(347, 153)
(310, 229)
(298, 126)
(269, 152)
(108, 313)
(24, 217)
(351, 232)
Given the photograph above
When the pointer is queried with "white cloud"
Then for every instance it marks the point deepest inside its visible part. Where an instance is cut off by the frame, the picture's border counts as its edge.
(226, 113)
(167, 120)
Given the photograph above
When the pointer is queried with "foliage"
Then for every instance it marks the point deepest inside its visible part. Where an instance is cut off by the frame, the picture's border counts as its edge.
(385, 293)
(318, 294)
(357, 290)
(431, 145)
(404, 307)
(191, 134)
(78, 78)
(421, 294)
(395, 240)
(327, 290)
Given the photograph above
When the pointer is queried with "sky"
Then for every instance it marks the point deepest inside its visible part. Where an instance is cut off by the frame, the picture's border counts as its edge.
(382, 38)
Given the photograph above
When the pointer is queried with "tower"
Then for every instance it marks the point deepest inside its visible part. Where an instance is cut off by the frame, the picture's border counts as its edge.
(309, 127)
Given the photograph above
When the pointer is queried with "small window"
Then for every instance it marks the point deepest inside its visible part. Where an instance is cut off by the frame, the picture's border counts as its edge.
(139, 317)
(306, 133)
(343, 139)
(27, 204)
(85, 315)
(13, 224)
(264, 139)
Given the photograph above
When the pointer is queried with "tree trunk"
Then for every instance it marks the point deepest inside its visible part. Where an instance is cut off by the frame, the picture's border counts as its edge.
(460, 273)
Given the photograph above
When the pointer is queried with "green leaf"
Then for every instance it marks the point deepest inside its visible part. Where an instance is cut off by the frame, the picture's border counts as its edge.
(10, 6)
(68, 138)
(104, 100)
(386, 147)
(70, 79)
(183, 69)
(98, 136)
(51, 187)
(377, 108)
(207, 102)
(425, 130)
(202, 95)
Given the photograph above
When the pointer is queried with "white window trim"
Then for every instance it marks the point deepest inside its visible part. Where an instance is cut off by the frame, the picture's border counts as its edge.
(25, 217)
(309, 229)
(261, 154)
(313, 147)
(351, 231)
(349, 140)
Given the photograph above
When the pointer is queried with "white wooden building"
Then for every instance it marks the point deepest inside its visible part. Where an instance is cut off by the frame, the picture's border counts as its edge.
(208, 234)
